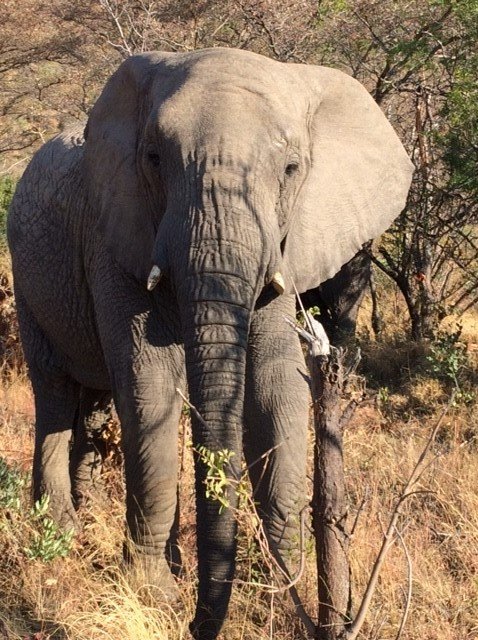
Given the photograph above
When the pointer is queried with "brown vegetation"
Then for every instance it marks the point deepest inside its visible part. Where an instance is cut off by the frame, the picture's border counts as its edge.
(84, 595)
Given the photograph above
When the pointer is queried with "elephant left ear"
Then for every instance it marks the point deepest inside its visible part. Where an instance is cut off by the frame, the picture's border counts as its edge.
(357, 183)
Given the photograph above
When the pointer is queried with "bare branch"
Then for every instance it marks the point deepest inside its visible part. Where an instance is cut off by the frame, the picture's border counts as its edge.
(358, 514)
(408, 599)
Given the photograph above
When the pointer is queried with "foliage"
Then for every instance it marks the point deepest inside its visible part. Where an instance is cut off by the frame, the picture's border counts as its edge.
(420, 61)
(383, 396)
(313, 311)
(448, 361)
(12, 484)
(7, 188)
(431, 252)
(254, 552)
(216, 479)
(48, 540)
(461, 103)
(447, 357)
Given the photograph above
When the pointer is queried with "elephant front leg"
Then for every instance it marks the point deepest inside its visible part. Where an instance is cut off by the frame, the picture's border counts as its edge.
(276, 418)
(149, 409)
(88, 451)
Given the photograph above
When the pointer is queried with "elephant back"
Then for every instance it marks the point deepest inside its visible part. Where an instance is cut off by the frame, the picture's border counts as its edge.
(44, 190)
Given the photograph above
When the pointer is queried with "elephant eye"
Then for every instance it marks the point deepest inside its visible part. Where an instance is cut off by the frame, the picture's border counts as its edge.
(154, 158)
(291, 168)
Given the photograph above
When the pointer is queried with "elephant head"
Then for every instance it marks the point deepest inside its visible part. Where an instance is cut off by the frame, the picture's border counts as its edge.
(230, 173)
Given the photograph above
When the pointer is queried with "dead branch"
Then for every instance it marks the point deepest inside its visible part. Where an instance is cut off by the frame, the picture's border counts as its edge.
(320, 368)
(408, 598)
(358, 514)
(329, 501)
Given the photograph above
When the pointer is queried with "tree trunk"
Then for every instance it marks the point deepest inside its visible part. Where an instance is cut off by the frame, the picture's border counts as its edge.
(329, 503)
(377, 321)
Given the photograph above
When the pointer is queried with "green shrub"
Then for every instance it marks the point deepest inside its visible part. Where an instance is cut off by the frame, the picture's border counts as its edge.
(12, 483)
(7, 189)
(216, 479)
(44, 540)
(48, 540)
(448, 361)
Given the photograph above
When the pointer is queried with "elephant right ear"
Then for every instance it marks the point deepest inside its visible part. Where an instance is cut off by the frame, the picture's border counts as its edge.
(115, 190)
(357, 182)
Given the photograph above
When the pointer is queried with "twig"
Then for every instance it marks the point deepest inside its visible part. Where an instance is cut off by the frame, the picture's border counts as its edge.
(292, 581)
(273, 558)
(206, 426)
(304, 313)
(359, 513)
(8, 170)
(410, 586)
(265, 455)
(271, 617)
(318, 345)
(300, 571)
(264, 468)
(389, 535)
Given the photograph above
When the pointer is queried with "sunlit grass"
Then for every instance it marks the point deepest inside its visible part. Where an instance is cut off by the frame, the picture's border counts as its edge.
(85, 596)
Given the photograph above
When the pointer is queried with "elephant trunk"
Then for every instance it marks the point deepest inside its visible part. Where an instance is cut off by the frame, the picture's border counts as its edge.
(218, 277)
(215, 362)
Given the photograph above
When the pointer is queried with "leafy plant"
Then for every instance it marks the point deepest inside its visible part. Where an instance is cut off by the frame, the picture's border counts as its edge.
(447, 356)
(7, 188)
(383, 396)
(49, 541)
(313, 311)
(12, 482)
(448, 360)
(253, 553)
(216, 478)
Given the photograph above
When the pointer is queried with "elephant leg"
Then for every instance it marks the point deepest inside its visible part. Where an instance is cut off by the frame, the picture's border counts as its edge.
(173, 552)
(149, 409)
(276, 419)
(89, 449)
(56, 406)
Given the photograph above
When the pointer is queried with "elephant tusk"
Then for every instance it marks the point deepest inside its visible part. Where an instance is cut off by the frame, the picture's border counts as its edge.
(277, 281)
(153, 278)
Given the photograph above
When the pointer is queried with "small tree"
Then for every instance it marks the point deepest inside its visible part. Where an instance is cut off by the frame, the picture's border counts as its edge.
(419, 61)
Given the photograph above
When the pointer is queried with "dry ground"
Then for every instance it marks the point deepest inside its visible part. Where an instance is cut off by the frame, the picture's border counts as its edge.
(83, 596)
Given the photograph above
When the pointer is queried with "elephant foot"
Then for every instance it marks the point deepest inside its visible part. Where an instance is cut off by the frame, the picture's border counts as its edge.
(151, 577)
(86, 494)
(203, 627)
(69, 521)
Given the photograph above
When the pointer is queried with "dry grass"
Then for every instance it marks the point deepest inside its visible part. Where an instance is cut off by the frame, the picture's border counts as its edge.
(441, 530)
(86, 597)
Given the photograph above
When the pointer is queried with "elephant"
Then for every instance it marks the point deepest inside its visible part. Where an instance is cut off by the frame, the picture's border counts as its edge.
(339, 298)
(163, 250)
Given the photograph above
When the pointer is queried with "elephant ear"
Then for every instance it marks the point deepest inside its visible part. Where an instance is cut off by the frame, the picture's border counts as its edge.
(357, 182)
(116, 190)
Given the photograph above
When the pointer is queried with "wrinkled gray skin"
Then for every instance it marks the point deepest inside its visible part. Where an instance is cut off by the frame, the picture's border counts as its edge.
(221, 167)
(339, 299)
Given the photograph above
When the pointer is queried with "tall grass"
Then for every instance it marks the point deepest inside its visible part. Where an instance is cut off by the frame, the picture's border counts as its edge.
(85, 596)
